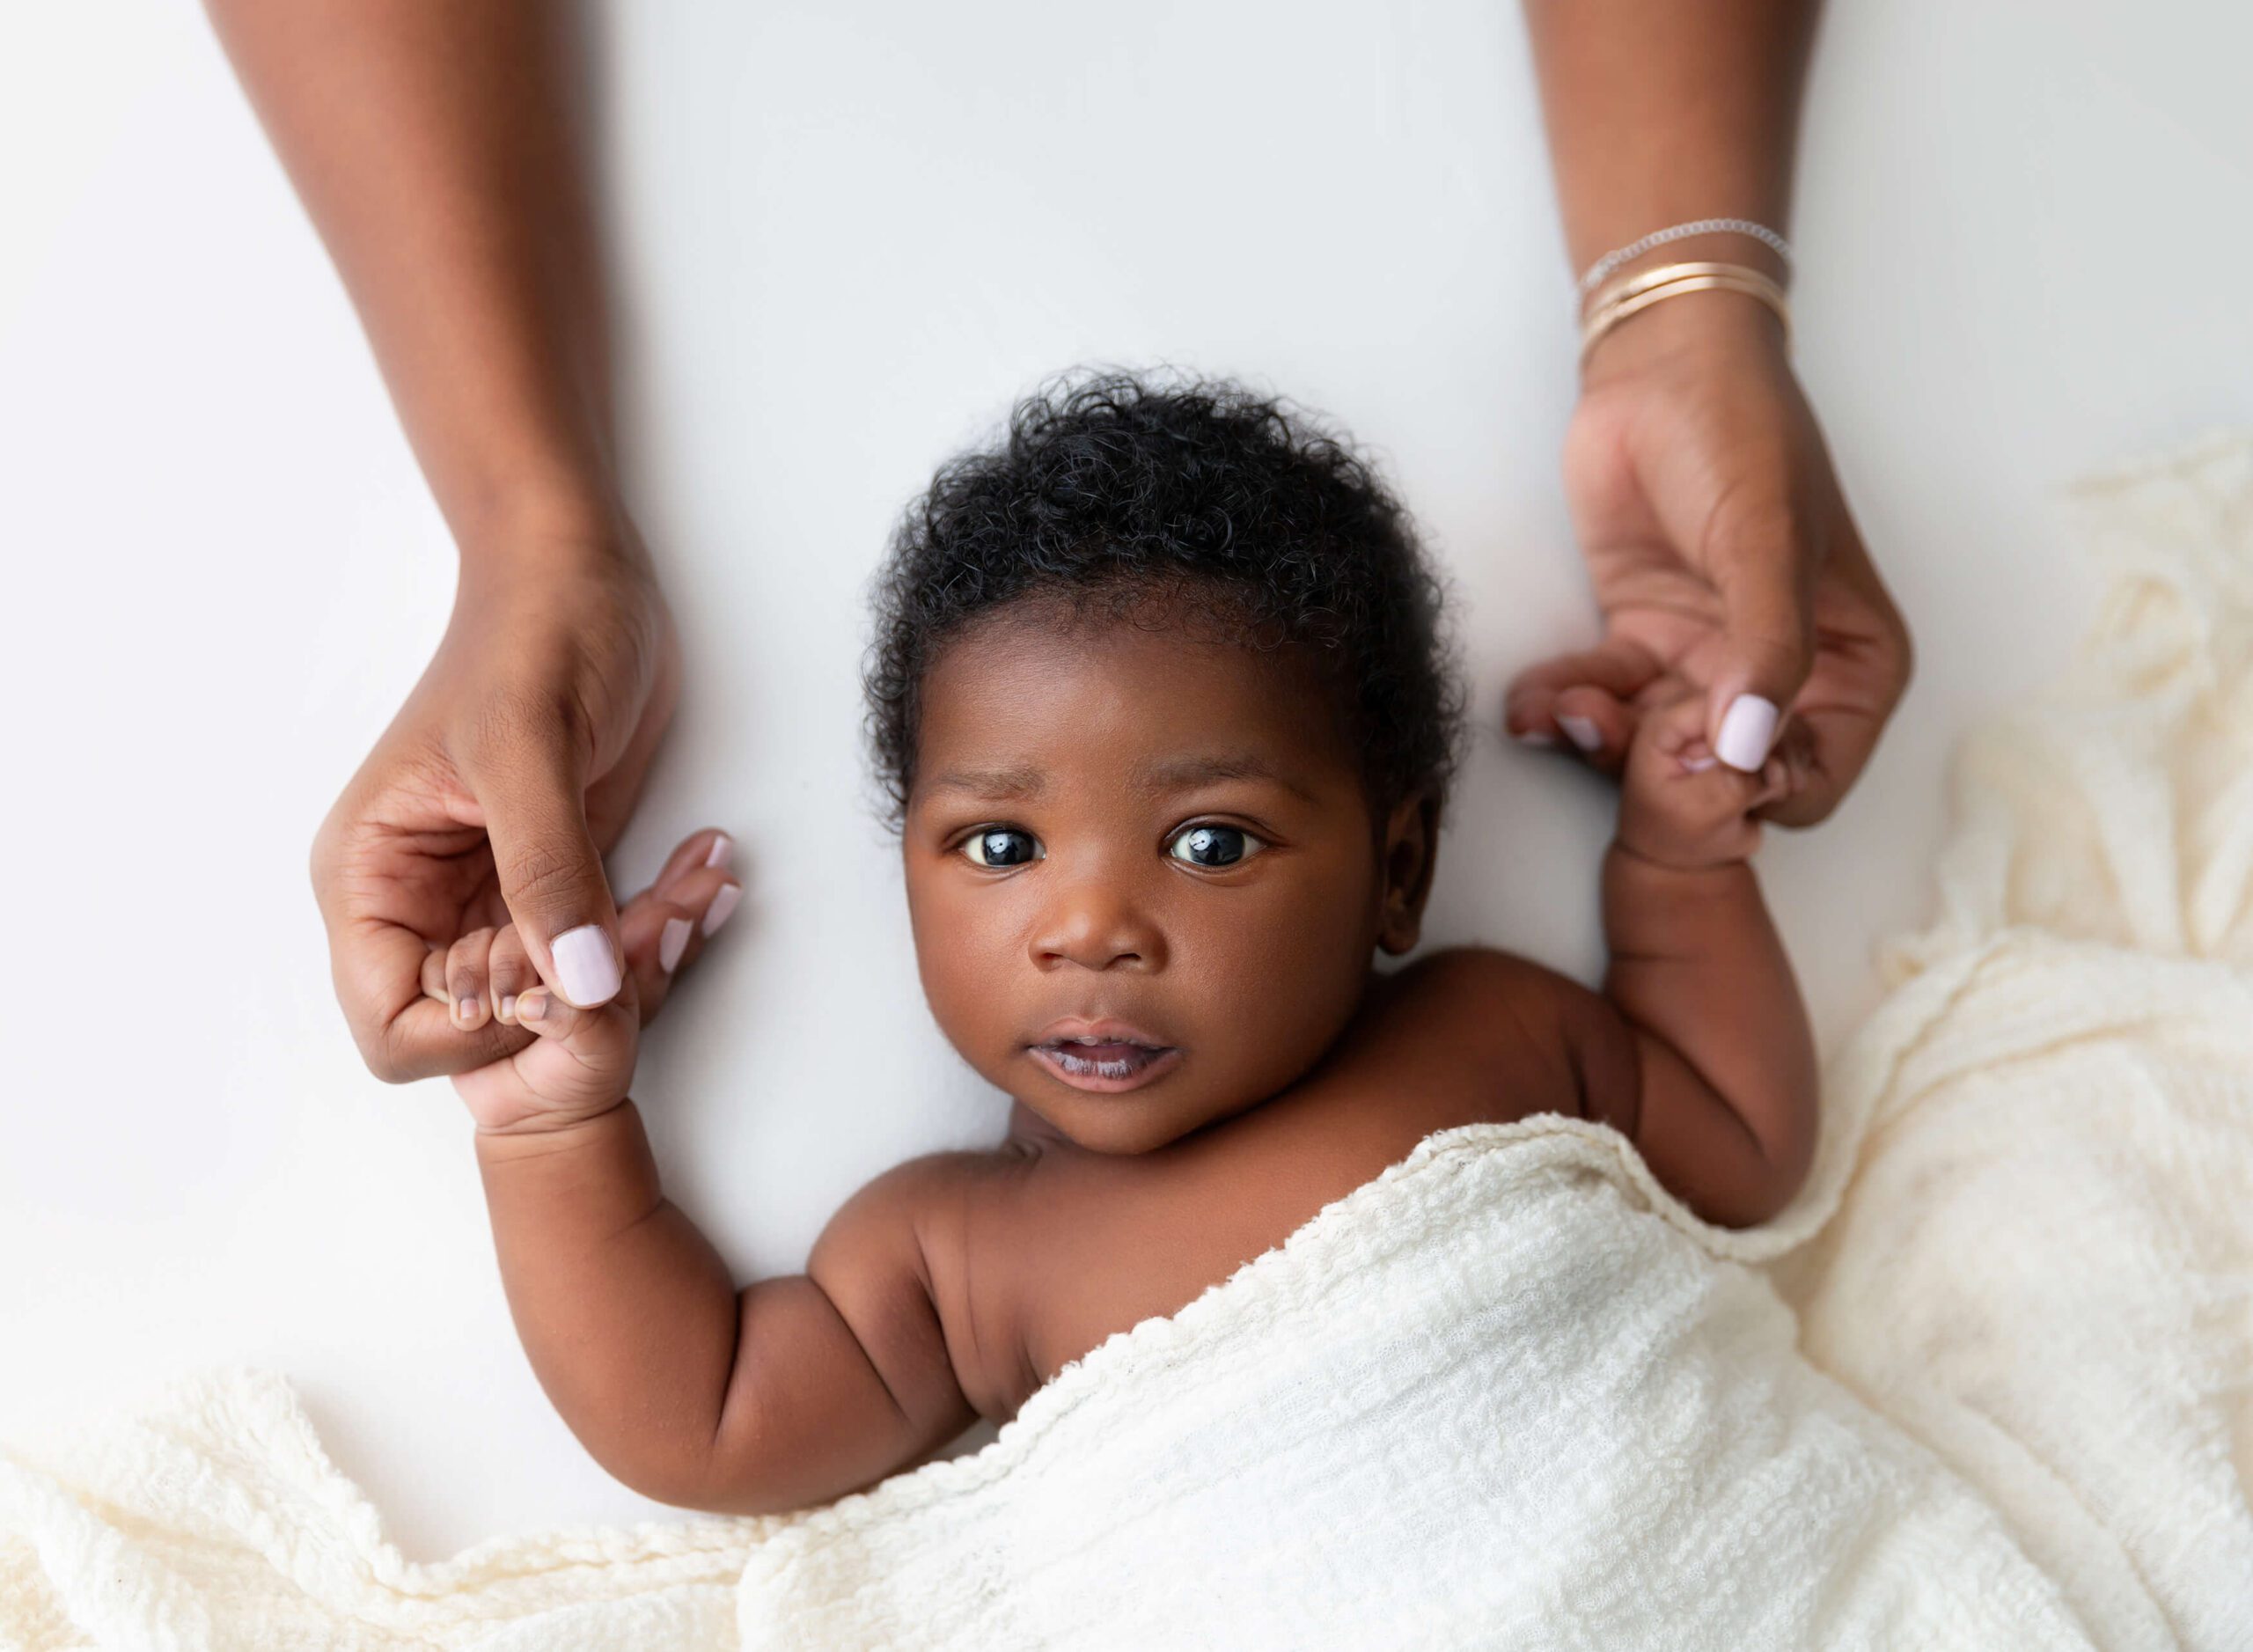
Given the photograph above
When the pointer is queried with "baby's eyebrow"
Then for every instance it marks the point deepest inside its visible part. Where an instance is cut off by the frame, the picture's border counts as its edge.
(1182, 773)
(1016, 783)
(1021, 782)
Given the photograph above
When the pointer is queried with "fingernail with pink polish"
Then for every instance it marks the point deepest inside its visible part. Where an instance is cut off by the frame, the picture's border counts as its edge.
(1747, 729)
(1581, 732)
(587, 967)
(672, 943)
(1538, 737)
(723, 906)
(723, 851)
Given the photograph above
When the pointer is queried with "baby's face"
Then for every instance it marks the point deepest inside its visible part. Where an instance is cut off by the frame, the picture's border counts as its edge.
(1145, 885)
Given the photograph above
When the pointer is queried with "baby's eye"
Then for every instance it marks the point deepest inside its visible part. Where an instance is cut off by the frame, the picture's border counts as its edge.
(1212, 845)
(1002, 845)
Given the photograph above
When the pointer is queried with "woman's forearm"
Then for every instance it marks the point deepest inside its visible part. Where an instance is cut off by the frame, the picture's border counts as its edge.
(626, 1311)
(431, 144)
(1660, 113)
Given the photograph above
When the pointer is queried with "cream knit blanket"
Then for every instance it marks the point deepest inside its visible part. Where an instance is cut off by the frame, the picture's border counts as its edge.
(1989, 1382)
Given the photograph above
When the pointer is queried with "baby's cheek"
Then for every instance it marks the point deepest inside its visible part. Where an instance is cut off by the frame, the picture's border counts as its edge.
(972, 977)
(1272, 991)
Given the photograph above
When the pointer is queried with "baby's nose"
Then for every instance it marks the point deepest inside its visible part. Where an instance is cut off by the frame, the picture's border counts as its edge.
(1096, 924)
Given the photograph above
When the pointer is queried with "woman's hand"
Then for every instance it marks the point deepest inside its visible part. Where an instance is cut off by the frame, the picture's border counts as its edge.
(493, 794)
(578, 1063)
(1720, 551)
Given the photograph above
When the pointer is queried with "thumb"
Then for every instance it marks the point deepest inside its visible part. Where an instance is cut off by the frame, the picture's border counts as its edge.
(550, 872)
(1767, 650)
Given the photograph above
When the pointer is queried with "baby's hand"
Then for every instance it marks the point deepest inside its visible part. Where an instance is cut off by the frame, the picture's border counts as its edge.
(581, 1060)
(1682, 807)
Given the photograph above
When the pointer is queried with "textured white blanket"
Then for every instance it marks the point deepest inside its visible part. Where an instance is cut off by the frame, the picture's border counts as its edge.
(1989, 1382)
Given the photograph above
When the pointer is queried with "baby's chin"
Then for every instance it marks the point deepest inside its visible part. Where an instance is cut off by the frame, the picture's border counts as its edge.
(1123, 1125)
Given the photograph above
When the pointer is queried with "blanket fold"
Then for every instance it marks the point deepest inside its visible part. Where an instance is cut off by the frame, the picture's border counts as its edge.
(1988, 1382)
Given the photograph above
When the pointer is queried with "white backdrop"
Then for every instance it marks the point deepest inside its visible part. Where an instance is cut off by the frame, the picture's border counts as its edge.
(846, 235)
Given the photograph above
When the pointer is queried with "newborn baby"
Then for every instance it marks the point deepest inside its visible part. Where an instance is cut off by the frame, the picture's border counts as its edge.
(1162, 697)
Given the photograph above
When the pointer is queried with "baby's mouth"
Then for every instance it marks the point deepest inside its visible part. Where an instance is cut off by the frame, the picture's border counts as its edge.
(1105, 1064)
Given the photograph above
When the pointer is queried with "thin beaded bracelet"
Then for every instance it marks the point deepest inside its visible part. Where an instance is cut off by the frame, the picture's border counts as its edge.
(1611, 261)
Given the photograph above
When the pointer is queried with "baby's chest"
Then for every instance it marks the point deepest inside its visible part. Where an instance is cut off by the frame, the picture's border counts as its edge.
(1092, 1246)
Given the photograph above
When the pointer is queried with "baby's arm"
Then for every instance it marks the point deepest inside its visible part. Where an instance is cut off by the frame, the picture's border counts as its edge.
(1706, 1060)
(793, 1391)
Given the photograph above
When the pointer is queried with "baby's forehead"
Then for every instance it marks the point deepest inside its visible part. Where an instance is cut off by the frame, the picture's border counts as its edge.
(1026, 690)
(1149, 656)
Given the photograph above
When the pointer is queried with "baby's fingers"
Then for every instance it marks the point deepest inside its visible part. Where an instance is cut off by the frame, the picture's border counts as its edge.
(464, 980)
(540, 1010)
(508, 972)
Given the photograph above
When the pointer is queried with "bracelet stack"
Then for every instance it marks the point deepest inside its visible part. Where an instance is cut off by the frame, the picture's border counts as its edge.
(1639, 292)
(1633, 294)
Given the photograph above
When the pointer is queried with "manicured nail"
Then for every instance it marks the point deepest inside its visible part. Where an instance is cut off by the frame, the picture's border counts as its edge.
(723, 851)
(508, 1006)
(1698, 765)
(589, 968)
(1538, 737)
(673, 943)
(722, 905)
(1582, 733)
(1747, 729)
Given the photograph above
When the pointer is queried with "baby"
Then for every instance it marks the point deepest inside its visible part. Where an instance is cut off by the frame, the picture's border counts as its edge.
(1161, 698)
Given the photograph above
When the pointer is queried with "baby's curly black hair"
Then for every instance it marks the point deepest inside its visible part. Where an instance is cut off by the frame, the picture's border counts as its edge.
(1137, 487)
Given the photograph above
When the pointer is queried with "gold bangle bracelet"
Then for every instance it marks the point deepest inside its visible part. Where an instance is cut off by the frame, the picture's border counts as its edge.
(1638, 293)
(1658, 275)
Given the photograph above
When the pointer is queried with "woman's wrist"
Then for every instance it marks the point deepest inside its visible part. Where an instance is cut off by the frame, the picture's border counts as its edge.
(562, 545)
(1708, 326)
(586, 525)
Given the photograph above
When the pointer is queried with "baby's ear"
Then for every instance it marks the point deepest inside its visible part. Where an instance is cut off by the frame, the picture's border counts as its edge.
(1411, 841)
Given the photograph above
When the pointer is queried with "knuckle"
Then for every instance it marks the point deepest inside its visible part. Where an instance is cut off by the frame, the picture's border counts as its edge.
(1902, 650)
(383, 1057)
(321, 857)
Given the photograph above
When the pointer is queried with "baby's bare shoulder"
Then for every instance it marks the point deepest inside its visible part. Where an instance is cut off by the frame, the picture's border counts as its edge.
(1512, 1036)
(1477, 1007)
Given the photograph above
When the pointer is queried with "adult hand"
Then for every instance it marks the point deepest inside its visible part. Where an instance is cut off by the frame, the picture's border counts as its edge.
(493, 795)
(1721, 553)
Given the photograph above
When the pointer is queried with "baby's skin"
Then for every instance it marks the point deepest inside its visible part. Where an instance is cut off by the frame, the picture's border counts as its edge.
(1147, 890)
